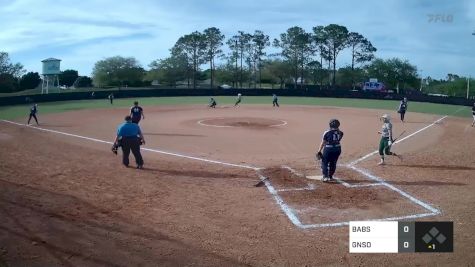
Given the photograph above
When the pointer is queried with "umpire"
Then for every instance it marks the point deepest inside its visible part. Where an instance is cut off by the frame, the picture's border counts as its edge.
(129, 137)
(331, 150)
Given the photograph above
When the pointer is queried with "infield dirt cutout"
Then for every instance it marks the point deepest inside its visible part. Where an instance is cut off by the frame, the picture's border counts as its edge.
(85, 209)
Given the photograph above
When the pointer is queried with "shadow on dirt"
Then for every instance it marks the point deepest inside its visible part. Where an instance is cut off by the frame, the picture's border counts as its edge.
(66, 227)
(427, 183)
(438, 167)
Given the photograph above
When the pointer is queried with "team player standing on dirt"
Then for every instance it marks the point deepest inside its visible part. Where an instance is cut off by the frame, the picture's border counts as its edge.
(33, 112)
(402, 108)
(136, 113)
(387, 139)
(330, 150)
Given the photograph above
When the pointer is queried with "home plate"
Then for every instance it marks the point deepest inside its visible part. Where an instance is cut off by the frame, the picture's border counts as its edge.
(314, 177)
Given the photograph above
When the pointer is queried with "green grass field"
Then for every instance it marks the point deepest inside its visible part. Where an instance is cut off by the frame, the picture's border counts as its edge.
(12, 112)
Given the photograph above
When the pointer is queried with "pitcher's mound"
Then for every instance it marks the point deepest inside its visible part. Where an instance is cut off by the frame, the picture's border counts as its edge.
(258, 123)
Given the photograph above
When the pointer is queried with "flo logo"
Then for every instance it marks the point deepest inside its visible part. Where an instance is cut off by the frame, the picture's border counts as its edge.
(440, 18)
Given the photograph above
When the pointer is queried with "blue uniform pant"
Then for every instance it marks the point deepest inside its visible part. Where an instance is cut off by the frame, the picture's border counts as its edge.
(329, 160)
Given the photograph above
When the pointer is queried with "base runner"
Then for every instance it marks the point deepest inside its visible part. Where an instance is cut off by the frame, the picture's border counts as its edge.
(386, 139)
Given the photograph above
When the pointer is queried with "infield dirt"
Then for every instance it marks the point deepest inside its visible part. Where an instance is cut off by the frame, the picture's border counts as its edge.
(68, 201)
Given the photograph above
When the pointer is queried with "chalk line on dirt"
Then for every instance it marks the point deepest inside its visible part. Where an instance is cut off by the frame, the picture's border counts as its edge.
(290, 213)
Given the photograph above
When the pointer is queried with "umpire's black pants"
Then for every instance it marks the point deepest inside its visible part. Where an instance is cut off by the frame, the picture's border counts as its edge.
(329, 160)
(128, 144)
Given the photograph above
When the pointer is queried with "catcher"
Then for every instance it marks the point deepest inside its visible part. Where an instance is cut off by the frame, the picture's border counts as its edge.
(386, 139)
(129, 137)
(331, 148)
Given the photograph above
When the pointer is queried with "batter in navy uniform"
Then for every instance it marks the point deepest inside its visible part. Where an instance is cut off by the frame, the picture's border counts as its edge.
(136, 112)
(33, 111)
(331, 148)
(130, 137)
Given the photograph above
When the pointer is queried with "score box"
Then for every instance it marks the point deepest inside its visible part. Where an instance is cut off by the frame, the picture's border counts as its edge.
(373, 237)
(395, 237)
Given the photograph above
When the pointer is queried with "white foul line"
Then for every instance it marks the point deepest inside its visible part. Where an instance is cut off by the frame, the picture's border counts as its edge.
(283, 206)
(291, 214)
(143, 148)
(398, 141)
(392, 187)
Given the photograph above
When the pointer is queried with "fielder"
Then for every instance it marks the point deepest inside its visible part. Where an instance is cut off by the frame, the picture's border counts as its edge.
(275, 101)
(386, 139)
(238, 100)
(33, 111)
(402, 108)
(331, 150)
(212, 103)
(473, 113)
(129, 137)
(136, 113)
(111, 98)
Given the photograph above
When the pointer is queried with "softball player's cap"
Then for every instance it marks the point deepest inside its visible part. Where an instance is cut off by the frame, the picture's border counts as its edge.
(386, 116)
(136, 102)
(128, 118)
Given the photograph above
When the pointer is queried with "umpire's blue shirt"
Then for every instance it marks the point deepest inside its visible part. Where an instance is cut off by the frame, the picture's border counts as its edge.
(128, 129)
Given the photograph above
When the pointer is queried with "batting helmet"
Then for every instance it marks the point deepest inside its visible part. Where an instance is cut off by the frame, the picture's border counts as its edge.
(334, 123)
(386, 117)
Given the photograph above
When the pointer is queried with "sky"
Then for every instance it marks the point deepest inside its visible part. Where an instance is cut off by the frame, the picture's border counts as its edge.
(434, 35)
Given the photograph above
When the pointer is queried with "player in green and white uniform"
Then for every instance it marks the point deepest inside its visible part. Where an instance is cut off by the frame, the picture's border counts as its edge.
(386, 139)
(238, 100)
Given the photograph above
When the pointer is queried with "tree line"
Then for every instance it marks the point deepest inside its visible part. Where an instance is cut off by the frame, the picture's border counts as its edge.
(301, 58)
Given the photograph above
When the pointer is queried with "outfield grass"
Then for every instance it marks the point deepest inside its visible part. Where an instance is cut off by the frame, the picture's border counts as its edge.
(12, 112)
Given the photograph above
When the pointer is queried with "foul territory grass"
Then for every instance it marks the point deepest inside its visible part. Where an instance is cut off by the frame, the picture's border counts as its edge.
(13, 112)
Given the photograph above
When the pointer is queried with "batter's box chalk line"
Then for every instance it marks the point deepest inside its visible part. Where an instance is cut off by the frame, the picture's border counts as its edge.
(287, 209)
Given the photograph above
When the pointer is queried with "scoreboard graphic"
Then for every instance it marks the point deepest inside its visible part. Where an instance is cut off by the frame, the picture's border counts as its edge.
(396, 237)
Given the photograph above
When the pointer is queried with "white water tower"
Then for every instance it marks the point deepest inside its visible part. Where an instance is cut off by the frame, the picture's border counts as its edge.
(51, 71)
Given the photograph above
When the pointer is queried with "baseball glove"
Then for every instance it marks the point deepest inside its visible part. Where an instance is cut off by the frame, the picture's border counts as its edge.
(319, 156)
(114, 148)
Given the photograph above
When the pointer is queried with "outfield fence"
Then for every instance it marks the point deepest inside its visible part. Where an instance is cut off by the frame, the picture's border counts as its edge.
(173, 92)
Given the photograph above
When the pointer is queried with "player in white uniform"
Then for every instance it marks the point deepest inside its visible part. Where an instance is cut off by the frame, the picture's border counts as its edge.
(238, 100)
(386, 139)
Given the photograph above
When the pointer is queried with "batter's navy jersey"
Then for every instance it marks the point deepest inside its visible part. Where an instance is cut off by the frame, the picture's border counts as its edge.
(136, 111)
(33, 110)
(473, 110)
(333, 137)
